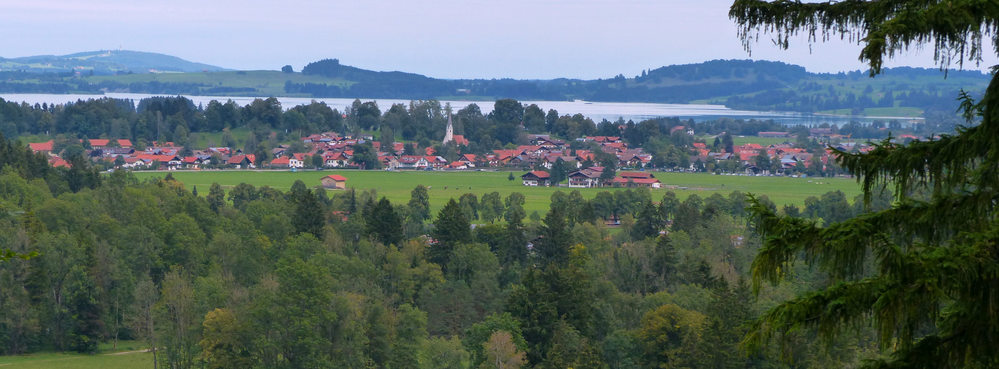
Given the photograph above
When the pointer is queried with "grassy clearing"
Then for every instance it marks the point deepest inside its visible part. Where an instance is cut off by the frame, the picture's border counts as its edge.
(396, 186)
(763, 141)
(266, 83)
(742, 140)
(901, 111)
(129, 354)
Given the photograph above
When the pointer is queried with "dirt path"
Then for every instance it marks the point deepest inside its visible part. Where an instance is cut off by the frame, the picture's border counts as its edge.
(127, 352)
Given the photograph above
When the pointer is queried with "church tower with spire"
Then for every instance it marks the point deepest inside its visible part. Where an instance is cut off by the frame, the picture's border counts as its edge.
(449, 134)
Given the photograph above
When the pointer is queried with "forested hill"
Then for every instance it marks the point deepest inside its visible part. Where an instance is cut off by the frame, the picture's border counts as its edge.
(104, 62)
(741, 84)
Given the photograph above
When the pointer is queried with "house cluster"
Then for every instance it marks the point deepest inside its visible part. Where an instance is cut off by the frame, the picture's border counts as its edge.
(590, 177)
(786, 154)
(160, 155)
(544, 152)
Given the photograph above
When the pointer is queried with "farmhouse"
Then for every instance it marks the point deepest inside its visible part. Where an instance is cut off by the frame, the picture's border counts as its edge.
(535, 178)
(589, 177)
(334, 182)
(637, 182)
(280, 162)
(42, 147)
(296, 161)
(636, 179)
(242, 161)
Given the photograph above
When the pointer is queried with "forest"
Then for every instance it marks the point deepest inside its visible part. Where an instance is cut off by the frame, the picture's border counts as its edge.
(255, 277)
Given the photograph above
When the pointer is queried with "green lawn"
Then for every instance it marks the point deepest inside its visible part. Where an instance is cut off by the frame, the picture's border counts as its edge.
(881, 112)
(128, 355)
(396, 186)
(763, 141)
(266, 83)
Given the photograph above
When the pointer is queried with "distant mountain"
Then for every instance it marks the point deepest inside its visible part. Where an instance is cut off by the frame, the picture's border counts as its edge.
(105, 62)
(741, 84)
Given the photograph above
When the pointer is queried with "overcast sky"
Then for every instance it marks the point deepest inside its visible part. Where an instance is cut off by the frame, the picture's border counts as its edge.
(439, 38)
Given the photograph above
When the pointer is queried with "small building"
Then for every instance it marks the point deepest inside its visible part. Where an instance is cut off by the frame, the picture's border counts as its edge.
(636, 179)
(242, 161)
(296, 161)
(280, 162)
(636, 182)
(334, 182)
(535, 178)
(586, 178)
(42, 147)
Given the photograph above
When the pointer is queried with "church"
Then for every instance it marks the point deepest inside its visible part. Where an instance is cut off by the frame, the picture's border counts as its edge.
(450, 136)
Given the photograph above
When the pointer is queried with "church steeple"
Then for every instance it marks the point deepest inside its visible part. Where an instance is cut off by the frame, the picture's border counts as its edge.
(449, 134)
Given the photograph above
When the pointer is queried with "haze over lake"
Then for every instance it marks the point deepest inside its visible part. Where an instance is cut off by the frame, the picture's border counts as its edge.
(593, 110)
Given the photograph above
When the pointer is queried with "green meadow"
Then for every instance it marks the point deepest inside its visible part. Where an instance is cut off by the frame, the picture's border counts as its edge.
(129, 354)
(265, 83)
(396, 185)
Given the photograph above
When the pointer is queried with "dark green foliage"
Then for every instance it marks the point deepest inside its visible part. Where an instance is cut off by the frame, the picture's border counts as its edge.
(419, 204)
(469, 205)
(450, 229)
(559, 172)
(365, 157)
(921, 272)
(307, 216)
(648, 223)
(86, 326)
(552, 245)
(383, 223)
(411, 331)
(548, 298)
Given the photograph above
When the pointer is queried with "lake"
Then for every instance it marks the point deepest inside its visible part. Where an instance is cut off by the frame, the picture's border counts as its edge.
(594, 110)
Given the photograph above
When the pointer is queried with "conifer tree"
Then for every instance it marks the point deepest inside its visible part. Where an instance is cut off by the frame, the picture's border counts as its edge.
(925, 272)
(419, 204)
(382, 222)
(450, 229)
(553, 245)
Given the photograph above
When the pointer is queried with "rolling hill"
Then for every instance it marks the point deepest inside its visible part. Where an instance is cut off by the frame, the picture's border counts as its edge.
(105, 62)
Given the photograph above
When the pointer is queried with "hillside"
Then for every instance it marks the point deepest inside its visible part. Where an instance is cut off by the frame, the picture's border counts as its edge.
(740, 84)
(104, 62)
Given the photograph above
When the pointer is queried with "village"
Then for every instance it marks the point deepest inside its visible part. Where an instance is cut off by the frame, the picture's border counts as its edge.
(583, 168)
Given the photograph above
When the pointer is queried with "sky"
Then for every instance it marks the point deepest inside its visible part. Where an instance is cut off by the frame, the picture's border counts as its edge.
(523, 39)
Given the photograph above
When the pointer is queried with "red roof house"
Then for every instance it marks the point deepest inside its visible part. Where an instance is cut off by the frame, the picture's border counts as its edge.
(43, 147)
(334, 181)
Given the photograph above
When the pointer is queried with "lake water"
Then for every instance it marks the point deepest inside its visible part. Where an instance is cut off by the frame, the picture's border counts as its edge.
(594, 110)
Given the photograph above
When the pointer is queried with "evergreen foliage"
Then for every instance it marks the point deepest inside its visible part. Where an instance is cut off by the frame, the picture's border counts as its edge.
(450, 229)
(384, 223)
(923, 272)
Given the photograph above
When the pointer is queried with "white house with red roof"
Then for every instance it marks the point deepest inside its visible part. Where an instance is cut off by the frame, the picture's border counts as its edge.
(536, 178)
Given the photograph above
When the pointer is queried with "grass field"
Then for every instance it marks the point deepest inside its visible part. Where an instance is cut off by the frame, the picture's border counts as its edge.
(396, 186)
(763, 141)
(266, 83)
(130, 354)
(881, 112)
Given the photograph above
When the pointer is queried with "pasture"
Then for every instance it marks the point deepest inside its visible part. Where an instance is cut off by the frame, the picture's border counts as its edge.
(396, 185)
(130, 354)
